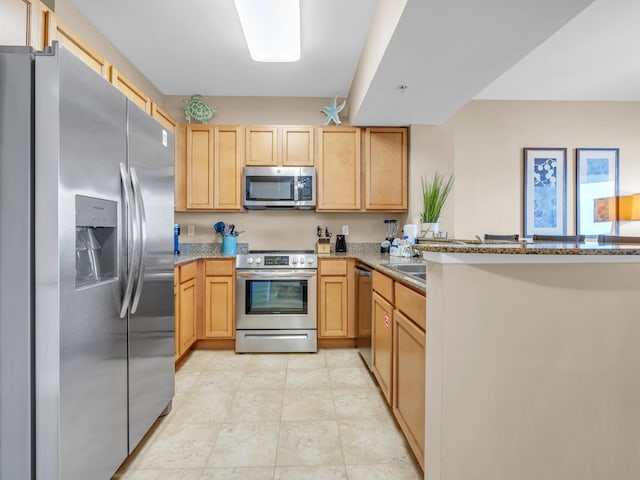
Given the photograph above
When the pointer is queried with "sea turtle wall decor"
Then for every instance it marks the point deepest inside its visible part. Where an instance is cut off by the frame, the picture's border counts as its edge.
(332, 112)
(196, 107)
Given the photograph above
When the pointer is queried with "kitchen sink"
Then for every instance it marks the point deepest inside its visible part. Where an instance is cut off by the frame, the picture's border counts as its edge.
(417, 270)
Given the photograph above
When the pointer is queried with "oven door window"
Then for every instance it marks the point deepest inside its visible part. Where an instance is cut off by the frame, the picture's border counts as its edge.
(270, 188)
(274, 297)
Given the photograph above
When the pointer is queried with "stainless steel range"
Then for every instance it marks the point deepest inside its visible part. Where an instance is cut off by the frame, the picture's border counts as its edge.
(276, 301)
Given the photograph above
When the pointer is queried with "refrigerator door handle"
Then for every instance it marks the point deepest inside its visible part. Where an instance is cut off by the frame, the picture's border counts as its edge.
(132, 222)
(142, 218)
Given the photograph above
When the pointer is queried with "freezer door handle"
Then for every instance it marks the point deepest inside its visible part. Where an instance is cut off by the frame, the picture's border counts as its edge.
(142, 220)
(132, 223)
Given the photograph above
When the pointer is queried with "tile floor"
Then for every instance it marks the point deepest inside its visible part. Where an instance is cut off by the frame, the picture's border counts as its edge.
(274, 417)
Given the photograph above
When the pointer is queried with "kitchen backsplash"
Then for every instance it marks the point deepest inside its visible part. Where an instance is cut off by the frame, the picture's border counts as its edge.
(285, 230)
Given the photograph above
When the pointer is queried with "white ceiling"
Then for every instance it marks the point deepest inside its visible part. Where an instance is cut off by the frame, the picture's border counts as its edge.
(596, 56)
(197, 46)
(446, 51)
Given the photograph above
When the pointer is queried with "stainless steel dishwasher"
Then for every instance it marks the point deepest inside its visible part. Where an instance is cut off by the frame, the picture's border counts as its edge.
(364, 287)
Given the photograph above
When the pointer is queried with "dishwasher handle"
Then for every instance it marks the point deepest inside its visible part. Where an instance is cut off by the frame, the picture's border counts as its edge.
(364, 271)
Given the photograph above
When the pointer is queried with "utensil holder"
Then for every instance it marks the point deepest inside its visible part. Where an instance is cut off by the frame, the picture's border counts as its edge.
(229, 246)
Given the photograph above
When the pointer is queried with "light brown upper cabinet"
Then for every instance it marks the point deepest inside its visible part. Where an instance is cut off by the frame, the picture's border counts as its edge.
(228, 153)
(261, 147)
(55, 29)
(130, 90)
(16, 22)
(385, 169)
(278, 146)
(338, 164)
(199, 167)
(209, 167)
(163, 118)
(297, 146)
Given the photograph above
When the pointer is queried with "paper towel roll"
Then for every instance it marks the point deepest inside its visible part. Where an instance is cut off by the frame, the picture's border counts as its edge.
(411, 231)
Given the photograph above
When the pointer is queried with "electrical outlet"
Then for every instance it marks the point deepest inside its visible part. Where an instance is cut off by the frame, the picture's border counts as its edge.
(191, 230)
(345, 229)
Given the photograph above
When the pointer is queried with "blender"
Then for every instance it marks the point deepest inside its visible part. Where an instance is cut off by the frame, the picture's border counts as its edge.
(390, 230)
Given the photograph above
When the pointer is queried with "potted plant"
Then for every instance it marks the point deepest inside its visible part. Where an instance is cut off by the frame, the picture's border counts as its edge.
(434, 196)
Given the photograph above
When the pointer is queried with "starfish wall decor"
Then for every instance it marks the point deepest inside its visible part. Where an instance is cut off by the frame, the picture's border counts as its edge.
(332, 112)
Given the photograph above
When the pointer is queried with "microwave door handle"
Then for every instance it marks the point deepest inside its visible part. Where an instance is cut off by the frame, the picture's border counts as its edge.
(296, 189)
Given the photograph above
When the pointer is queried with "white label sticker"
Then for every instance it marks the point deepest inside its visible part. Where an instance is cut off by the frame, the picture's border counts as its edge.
(164, 137)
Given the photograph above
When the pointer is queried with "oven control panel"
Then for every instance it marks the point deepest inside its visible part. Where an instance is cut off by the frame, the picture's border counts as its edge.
(277, 260)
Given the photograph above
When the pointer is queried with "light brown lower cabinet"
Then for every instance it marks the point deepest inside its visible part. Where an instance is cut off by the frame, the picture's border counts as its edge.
(382, 343)
(187, 307)
(409, 340)
(219, 297)
(335, 288)
(176, 313)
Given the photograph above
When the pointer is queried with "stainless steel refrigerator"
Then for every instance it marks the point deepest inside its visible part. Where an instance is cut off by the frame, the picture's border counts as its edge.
(86, 269)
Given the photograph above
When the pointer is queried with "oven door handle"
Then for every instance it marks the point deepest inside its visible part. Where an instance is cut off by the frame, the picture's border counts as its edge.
(261, 275)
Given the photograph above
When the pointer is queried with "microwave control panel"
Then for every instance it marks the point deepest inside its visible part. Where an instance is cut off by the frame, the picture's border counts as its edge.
(305, 186)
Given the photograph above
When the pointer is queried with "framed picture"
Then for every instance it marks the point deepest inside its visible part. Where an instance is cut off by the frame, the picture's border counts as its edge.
(545, 191)
(597, 184)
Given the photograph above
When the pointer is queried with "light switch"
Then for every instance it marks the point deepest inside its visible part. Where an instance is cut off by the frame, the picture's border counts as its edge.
(345, 229)
(191, 230)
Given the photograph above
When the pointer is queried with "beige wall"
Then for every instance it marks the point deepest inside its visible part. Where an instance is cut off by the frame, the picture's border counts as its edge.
(70, 15)
(284, 229)
(488, 138)
(430, 150)
(258, 110)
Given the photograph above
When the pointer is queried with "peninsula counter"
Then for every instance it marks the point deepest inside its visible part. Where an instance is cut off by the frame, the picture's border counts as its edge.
(533, 362)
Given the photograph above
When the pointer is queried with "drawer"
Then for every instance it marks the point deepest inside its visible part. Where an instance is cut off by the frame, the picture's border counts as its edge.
(188, 271)
(412, 304)
(219, 267)
(333, 267)
(383, 285)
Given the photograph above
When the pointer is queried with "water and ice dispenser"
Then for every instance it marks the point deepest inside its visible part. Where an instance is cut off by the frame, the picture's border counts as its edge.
(96, 240)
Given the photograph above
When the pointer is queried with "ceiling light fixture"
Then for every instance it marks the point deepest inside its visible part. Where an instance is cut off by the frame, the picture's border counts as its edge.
(271, 29)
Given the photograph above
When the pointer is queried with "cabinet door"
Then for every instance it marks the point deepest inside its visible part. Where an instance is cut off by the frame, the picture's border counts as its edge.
(297, 146)
(180, 169)
(176, 314)
(228, 168)
(385, 169)
(382, 343)
(187, 315)
(57, 30)
(409, 381)
(338, 163)
(333, 313)
(16, 19)
(163, 118)
(199, 160)
(219, 307)
(261, 146)
(130, 90)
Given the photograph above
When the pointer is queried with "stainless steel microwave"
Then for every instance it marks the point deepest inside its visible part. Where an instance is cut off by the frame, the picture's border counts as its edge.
(279, 187)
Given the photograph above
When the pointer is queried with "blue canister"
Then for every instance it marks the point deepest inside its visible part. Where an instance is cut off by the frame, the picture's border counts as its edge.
(229, 246)
(176, 234)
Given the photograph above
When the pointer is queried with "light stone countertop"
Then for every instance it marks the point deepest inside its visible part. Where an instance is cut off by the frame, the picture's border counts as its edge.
(526, 248)
(368, 253)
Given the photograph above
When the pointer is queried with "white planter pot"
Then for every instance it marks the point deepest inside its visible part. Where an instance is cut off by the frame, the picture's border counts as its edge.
(429, 230)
